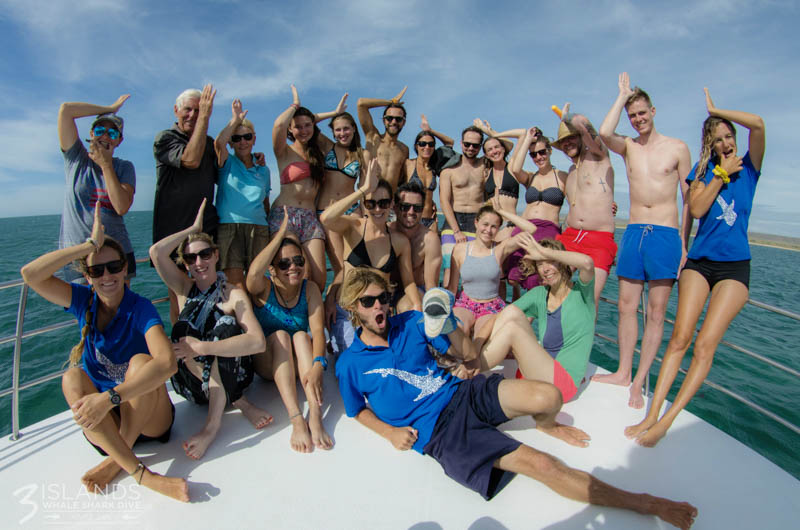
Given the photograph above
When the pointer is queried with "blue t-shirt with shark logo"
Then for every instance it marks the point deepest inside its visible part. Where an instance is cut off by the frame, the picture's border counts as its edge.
(722, 234)
(403, 383)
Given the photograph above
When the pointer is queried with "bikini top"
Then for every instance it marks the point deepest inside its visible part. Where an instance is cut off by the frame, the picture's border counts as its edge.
(295, 172)
(552, 195)
(416, 178)
(359, 256)
(509, 186)
(352, 169)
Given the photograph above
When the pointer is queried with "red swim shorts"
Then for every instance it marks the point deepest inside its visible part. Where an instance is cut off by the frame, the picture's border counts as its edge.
(562, 381)
(597, 245)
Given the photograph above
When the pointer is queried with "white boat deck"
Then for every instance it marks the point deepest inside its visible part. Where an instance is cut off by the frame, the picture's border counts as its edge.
(252, 479)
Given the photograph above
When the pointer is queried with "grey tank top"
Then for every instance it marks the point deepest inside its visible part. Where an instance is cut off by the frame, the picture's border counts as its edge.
(480, 276)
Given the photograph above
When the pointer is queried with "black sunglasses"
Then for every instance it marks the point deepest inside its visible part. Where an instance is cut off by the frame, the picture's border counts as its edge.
(191, 257)
(236, 138)
(540, 152)
(426, 144)
(284, 263)
(471, 144)
(96, 271)
(369, 301)
(398, 119)
(406, 206)
(370, 204)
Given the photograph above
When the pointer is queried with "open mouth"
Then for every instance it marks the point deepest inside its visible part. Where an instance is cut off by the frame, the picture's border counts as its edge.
(380, 320)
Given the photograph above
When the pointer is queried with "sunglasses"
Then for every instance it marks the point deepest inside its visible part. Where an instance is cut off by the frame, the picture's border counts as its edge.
(370, 204)
(191, 257)
(406, 206)
(471, 144)
(284, 263)
(99, 131)
(96, 271)
(236, 138)
(369, 301)
(426, 144)
(398, 119)
(540, 152)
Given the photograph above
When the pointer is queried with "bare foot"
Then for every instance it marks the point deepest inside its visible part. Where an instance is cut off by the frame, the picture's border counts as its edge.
(97, 478)
(636, 399)
(634, 431)
(259, 418)
(318, 434)
(571, 435)
(680, 514)
(652, 436)
(613, 379)
(174, 487)
(196, 446)
(301, 439)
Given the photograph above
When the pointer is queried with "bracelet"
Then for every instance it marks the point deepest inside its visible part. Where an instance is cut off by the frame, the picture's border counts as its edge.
(322, 360)
(293, 416)
(722, 174)
(93, 243)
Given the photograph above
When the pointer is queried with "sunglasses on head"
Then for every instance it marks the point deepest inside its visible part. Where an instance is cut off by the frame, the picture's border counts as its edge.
(100, 130)
(369, 301)
(398, 119)
(540, 152)
(406, 206)
(191, 257)
(284, 263)
(426, 144)
(96, 271)
(370, 204)
(236, 138)
(471, 144)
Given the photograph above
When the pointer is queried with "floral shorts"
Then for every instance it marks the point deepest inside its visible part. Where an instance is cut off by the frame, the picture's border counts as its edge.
(479, 309)
(302, 222)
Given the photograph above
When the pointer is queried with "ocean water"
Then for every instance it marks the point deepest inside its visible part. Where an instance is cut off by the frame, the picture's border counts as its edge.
(774, 336)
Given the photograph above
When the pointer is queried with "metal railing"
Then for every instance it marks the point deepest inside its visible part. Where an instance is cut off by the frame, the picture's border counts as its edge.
(19, 336)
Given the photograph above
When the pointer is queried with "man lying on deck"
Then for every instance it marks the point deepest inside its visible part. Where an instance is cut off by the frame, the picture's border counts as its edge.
(416, 404)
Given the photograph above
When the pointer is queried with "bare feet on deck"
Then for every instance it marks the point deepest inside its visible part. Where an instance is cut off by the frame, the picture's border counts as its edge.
(318, 434)
(196, 446)
(174, 487)
(259, 418)
(647, 433)
(680, 514)
(613, 379)
(97, 478)
(301, 438)
(566, 433)
(636, 400)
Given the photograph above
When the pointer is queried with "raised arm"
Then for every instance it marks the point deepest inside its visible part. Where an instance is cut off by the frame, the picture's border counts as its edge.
(515, 166)
(160, 252)
(193, 153)
(70, 111)
(754, 122)
(614, 141)
(224, 136)
(520, 222)
(590, 138)
(256, 281)
(484, 126)
(281, 126)
(340, 107)
(334, 218)
(425, 126)
(536, 252)
(364, 116)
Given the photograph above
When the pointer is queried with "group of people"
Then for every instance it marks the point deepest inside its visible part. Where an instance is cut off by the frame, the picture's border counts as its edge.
(249, 293)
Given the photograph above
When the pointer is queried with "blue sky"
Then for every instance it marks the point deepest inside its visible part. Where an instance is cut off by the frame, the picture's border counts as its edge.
(505, 62)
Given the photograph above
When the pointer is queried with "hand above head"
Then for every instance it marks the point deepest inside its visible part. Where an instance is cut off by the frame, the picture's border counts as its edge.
(197, 226)
(342, 106)
(709, 103)
(295, 97)
(624, 84)
(398, 99)
(284, 222)
(533, 250)
(207, 100)
(237, 114)
(98, 230)
(424, 125)
(496, 204)
(118, 103)
(371, 181)
(565, 113)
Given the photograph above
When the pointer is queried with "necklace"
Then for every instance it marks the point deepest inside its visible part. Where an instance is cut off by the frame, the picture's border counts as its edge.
(282, 300)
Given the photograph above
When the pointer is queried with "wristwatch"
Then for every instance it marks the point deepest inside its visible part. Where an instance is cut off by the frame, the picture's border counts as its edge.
(114, 397)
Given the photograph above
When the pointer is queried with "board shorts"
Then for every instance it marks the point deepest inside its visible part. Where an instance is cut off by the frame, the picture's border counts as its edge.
(649, 252)
(597, 245)
(465, 440)
(466, 224)
(162, 438)
(302, 222)
(240, 243)
(479, 309)
(544, 230)
(716, 271)
(561, 380)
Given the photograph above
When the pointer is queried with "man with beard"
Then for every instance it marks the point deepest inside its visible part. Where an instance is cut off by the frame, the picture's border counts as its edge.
(590, 192)
(653, 249)
(390, 153)
(461, 195)
(186, 171)
(426, 250)
(415, 404)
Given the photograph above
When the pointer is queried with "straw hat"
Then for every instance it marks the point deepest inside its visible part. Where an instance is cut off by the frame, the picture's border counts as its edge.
(564, 131)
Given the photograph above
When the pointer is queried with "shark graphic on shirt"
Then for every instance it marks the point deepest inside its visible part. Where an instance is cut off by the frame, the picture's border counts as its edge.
(427, 384)
(728, 215)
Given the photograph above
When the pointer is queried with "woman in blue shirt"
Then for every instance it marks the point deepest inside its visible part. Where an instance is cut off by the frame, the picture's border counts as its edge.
(721, 191)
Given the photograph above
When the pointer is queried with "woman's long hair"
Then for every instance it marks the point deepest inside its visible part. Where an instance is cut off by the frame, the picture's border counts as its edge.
(313, 152)
(355, 144)
(707, 140)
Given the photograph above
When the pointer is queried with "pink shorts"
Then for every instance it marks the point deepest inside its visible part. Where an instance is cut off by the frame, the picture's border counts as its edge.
(562, 381)
(479, 309)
